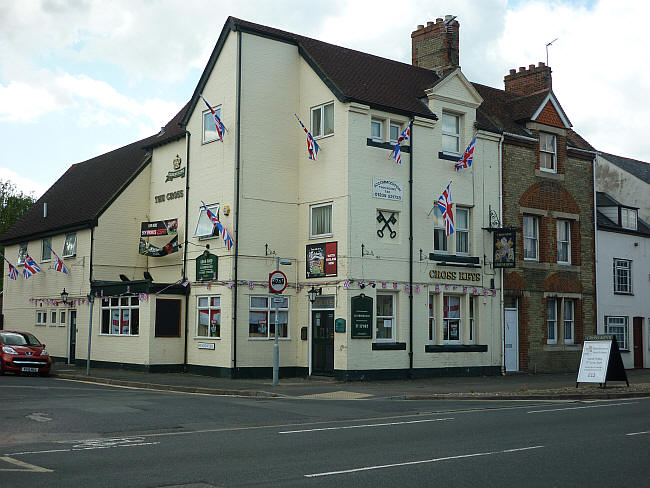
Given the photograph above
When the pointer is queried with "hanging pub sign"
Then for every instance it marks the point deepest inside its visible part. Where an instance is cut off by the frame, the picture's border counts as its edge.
(150, 250)
(361, 323)
(159, 228)
(321, 260)
(206, 267)
(504, 248)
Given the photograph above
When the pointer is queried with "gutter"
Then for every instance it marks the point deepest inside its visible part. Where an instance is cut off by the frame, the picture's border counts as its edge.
(237, 177)
(517, 136)
(595, 246)
(187, 203)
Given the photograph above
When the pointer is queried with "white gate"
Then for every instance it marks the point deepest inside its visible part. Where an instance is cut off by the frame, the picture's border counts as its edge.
(512, 339)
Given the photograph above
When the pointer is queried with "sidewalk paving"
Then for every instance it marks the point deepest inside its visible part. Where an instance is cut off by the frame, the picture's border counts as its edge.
(518, 386)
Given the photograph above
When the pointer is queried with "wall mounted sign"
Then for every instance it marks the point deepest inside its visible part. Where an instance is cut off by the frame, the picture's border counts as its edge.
(178, 171)
(205, 345)
(206, 267)
(339, 325)
(277, 281)
(149, 249)
(504, 248)
(321, 260)
(172, 195)
(387, 189)
(386, 223)
(159, 228)
(361, 320)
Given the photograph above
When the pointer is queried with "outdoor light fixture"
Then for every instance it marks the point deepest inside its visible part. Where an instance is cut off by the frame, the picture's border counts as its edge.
(313, 293)
(64, 296)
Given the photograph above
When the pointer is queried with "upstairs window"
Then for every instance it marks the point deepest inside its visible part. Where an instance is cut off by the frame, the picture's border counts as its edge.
(70, 245)
(450, 133)
(322, 120)
(531, 238)
(210, 126)
(46, 249)
(204, 226)
(395, 131)
(320, 220)
(547, 152)
(462, 230)
(440, 243)
(564, 241)
(622, 276)
(22, 252)
(376, 130)
(628, 218)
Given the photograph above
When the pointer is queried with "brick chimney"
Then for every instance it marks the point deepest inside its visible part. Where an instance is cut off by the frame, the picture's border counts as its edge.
(529, 81)
(435, 46)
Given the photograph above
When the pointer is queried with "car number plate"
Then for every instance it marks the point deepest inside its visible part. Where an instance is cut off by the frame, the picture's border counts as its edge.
(29, 370)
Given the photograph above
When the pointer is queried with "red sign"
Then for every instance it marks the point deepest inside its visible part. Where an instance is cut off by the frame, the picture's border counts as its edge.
(277, 282)
(330, 259)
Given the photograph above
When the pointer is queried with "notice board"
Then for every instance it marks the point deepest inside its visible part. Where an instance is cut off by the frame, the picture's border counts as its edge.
(601, 361)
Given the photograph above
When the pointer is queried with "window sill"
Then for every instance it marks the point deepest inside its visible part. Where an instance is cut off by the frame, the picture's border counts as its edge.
(629, 293)
(389, 346)
(387, 145)
(536, 265)
(321, 236)
(562, 347)
(316, 138)
(119, 335)
(70, 256)
(268, 339)
(199, 338)
(449, 156)
(456, 348)
(552, 175)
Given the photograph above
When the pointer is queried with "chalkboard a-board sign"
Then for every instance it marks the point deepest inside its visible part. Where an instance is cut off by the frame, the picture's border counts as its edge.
(601, 361)
(361, 323)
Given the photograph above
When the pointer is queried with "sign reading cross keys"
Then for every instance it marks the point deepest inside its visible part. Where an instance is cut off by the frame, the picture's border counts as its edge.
(387, 223)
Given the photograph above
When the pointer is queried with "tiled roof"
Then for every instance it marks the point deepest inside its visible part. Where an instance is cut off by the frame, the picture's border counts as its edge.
(633, 166)
(605, 223)
(79, 197)
(605, 200)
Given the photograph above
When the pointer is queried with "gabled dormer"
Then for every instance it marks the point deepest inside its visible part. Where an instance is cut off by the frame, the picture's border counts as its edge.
(623, 216)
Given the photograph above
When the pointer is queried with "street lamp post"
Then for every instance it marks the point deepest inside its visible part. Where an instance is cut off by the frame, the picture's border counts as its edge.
(276, 342)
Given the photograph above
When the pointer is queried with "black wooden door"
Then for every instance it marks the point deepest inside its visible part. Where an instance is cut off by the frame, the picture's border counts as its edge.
(322, 342)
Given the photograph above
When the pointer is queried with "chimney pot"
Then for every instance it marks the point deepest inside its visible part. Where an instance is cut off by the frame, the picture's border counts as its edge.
(429, 24)
(447, 17)
(541, 64)
(531, 66)
(513, 71)
(420, 27)
(522, 69)
(436, 46)
(439, 19)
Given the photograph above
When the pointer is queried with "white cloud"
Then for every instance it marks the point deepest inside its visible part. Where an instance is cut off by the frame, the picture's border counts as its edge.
(25, 185)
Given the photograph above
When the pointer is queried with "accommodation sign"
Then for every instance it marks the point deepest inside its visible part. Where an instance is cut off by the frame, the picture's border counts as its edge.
(206, 267)
(387, 189)
(361, 323)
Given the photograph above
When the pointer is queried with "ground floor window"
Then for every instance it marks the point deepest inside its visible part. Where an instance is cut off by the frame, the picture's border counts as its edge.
(618, 326)
(208, 323)
(560, 318)
(551, 321)
(385, 330)
(261, 317)
(451, 319)
(41, 317)
(121, 316)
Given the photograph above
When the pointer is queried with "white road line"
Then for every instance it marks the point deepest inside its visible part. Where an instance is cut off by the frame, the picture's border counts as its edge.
(362, 426)
(40, 452)
(639, 433)
(90, 448)
(26, 467)
(410, 463)
(579, 408)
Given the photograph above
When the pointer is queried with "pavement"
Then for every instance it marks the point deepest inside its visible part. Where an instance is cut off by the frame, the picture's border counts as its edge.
(517, 386)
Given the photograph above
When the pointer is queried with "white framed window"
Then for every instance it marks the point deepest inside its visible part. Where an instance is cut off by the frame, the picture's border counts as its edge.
(622, 276)
(462, 230)
(41, 317)
(547, 152)
(551, 321)
(440, 241)
(322, 120)
(261, 317)
(385, 330)
(121, 316)
(395, 131)
(531, 237)
(377, 130)
(210, 126)
(451, 319)
(46, 251)
(22, 252)
(568, 317)
(208, 317)
(564, 241)
(618, 326)
(450, 133)
(62, 318)
(70, 245)
(204, 226)
(320, 220)
(53, 318)
(629, 218)
(432, 318)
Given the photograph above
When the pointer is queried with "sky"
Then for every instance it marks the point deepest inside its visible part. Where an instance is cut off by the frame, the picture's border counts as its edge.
(81, 77)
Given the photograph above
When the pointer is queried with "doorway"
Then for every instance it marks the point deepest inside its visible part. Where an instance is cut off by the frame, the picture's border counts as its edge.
(511, 342)
(73, 336)
(637, 332)
(322, 342)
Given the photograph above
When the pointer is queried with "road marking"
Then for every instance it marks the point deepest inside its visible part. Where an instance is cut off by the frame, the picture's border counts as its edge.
(362, 426)
(40, 452)
(639, 433)
(26, 466)
(92, 444)
(425, 461)
(38, 417)
(579, 408)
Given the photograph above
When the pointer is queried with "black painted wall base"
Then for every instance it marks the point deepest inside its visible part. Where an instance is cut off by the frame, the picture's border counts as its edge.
(405, 374)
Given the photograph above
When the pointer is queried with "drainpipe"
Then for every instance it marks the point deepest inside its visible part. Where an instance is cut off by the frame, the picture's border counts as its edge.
(501, 299)
(595, 250)
(187, 204)
(411, 251)
(237, 176)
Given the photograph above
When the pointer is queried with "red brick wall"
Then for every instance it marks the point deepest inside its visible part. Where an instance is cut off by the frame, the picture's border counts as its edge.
(529, 81)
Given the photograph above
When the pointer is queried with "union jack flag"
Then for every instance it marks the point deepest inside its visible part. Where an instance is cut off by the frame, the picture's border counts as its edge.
(445, 205)
(397, 154)
(58, 264)
(312, 146)
(30, 267)
(13, 272)
(221, 129)
(466, 160)
(219, 226)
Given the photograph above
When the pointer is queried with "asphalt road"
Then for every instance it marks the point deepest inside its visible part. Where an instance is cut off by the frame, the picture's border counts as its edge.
(63, 433)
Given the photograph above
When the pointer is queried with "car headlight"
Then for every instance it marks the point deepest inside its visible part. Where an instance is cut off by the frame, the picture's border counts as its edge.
(8, 350)
(44, 352)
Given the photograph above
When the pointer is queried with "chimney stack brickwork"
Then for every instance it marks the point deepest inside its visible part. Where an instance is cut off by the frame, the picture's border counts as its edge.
(528, 81)
(436, 46)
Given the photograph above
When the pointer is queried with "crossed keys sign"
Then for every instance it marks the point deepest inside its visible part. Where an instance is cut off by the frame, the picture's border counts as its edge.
(391, 220)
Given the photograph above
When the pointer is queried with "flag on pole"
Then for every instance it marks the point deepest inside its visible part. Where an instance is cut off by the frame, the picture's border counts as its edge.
(30, 267)
(445, 205)
(312, 146)
(219, 226)
(397, 154)
(221, 129)
(466, 159)
(13, 272)
(58, 264)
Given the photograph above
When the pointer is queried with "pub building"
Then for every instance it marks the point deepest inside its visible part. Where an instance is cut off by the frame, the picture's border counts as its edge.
(377, 288)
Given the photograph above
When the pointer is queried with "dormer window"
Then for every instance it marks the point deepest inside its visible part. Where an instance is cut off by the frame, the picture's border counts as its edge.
(628, 218)
(450, 133)
(547, 152)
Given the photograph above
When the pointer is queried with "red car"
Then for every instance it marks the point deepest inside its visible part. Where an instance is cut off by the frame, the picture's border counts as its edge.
(22, 352)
